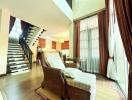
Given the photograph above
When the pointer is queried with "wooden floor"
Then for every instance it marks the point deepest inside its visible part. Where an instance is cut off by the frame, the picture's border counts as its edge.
(1, 96)
(22, 87)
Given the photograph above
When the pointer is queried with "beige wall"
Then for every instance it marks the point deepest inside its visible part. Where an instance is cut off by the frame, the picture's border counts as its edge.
(82, 8)
(34, 51)
(71, 36)
(4, 31)
(34, 48)
(58, 46)
(48, 44)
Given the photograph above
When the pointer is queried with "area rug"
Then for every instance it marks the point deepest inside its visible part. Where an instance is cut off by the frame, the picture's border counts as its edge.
(47, 94)
(105, 90)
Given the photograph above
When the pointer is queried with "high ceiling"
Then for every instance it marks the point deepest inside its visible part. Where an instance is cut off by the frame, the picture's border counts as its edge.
(42, 13)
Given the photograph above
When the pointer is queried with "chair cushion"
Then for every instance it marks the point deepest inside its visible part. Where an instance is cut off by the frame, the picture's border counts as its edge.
(54, 60)
(71, 72)
(84, 81)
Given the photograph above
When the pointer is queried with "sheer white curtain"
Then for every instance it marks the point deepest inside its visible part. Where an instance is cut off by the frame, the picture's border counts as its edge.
(111, 68)
(118, 68)
(120, 60)
(89, 44)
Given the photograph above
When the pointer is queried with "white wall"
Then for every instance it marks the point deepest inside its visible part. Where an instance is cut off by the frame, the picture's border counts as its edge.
(82, 8)
(62, 4)
(71, 42)
(4, 32)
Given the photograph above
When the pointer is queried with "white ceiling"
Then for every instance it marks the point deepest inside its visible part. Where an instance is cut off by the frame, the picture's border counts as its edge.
(57, 36)
(42, 13)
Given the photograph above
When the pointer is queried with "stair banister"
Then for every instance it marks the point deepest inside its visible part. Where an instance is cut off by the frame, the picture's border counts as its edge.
(26, 49)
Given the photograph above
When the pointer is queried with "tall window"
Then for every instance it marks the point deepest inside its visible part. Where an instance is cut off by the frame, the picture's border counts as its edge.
(89, 44)
(120, 59)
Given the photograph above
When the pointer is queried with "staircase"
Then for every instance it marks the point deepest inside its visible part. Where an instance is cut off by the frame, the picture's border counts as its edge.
(30, 32)
(17, 60)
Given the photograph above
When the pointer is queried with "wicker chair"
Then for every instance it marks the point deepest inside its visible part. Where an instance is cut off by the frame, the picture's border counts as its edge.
(53, 79)
(56, 81)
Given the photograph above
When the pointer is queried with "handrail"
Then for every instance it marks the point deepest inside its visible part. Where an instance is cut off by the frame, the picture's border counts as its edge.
(26, 49)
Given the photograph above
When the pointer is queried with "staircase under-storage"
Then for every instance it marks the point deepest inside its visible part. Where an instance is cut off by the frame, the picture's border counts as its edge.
(17, 60)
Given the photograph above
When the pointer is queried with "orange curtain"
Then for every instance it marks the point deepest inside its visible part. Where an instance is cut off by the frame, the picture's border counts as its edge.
(77, 39)
(124, 17)
(103, 24)
(41, 42)
(65, 45)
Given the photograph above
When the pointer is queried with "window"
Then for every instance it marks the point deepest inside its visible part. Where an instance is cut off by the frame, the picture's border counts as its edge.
(120, 59)
(89, 43)
(16, 31)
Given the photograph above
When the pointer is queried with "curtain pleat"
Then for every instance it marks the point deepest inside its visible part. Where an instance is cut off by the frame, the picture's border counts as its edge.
(77, 39)
(103, 41)
(124, 17)
(111, 68)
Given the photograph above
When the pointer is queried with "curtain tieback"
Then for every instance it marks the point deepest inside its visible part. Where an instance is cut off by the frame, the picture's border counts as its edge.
(111, 57)
(130, 68)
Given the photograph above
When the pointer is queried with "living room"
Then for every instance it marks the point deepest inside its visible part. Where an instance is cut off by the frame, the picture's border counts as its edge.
(93, 38)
